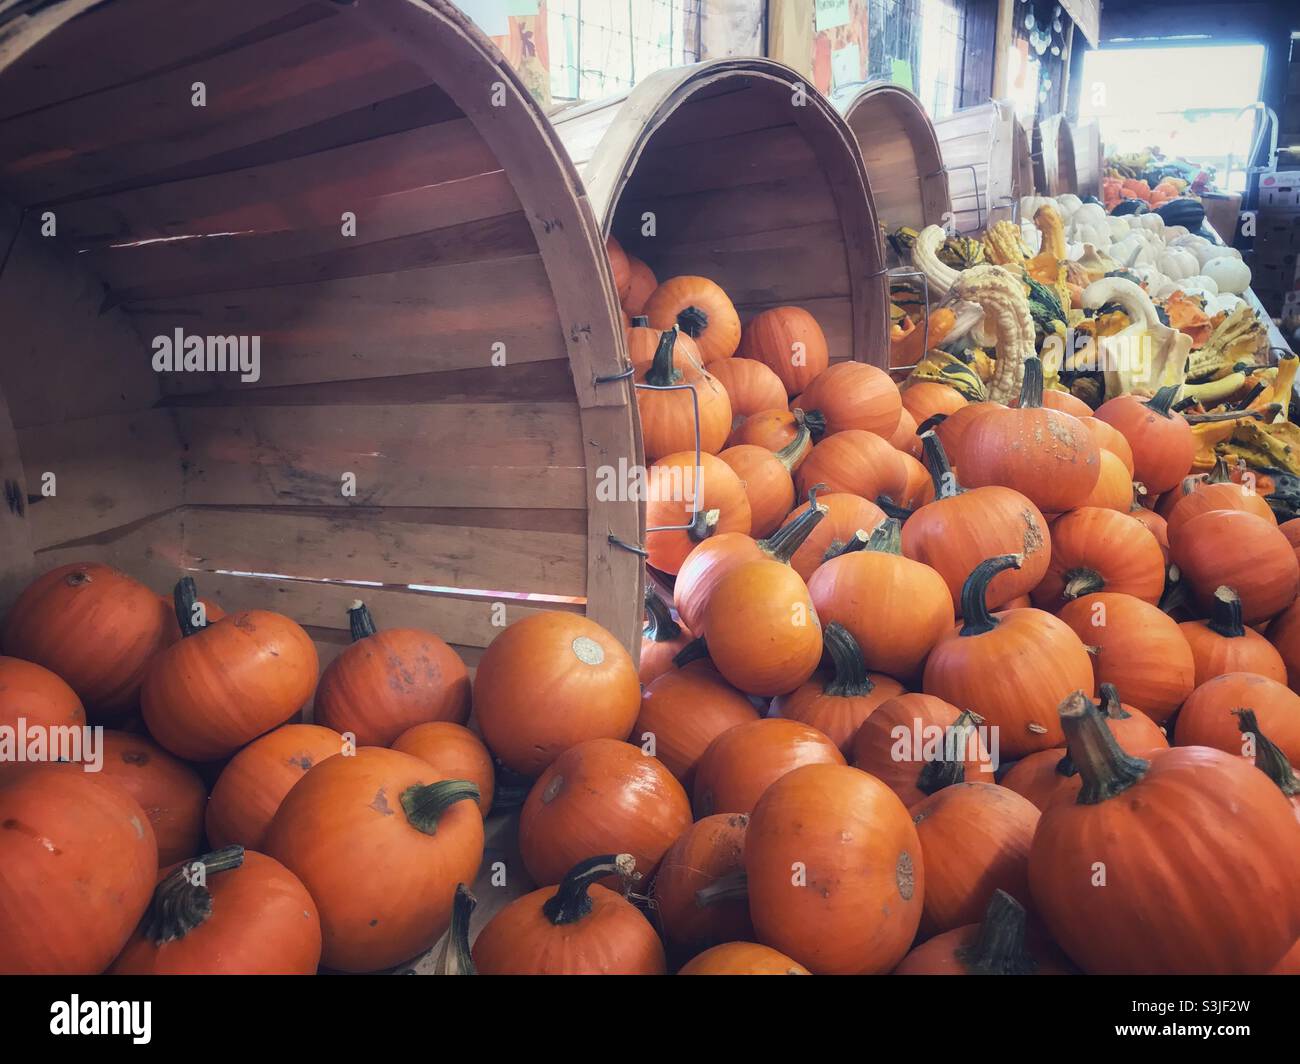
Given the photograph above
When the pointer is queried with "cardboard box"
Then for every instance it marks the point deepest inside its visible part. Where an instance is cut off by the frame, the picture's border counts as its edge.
(1280, 189)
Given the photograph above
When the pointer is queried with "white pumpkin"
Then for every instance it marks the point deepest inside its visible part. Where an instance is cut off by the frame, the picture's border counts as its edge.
(1202, 282)
(1224, 301)
(1067, 203)
(1032, 238)
(1177, 263)
(1089, 214)
(1231, 275)
(1173, 232)
(1150, 276)
(1151, 222)
(1086, 232)
(1118, 227)
(1206, 252)
(1132, 251)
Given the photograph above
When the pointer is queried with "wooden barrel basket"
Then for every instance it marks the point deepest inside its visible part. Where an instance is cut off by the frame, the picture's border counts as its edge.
(739, 171)
(909, 186)
(985, 150)
(1053, 157)
(367, 193)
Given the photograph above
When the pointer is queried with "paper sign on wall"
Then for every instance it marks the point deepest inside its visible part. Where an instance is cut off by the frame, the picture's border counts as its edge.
(846, 65)
(831, 13)
(901, 74)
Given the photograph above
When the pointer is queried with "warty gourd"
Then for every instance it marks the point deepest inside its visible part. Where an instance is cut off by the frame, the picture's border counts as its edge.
(1006, 313)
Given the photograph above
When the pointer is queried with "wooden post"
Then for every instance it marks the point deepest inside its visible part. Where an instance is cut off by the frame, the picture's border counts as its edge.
(1001, 46)
(790, 34)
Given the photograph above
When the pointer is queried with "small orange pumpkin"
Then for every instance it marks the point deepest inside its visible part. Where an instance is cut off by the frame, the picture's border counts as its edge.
(997, 946)
(742, 762)
(853, 395)
(455, 753)
(845, 516)
(33, 693)
(674, 419)
(699, 890)
(1240, 550)
(742, 958)
(789, 342)
(1206, 718)
(1224, 644)
(662, 638)
(918, 744)
(703, 312)
(169, 791)
(751, 387)
(766, 476)
(689, 504)
(641, 283)
(1096, 549)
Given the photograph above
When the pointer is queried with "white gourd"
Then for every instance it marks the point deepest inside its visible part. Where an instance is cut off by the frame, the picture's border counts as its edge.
(1118, 228)
(1173, 232)
(1090, 214)
(1176, 263)
(1199, 280)
(1151, 222)
(1067, 203)
(1224, 302)
(1206, 252)
(1231, 275)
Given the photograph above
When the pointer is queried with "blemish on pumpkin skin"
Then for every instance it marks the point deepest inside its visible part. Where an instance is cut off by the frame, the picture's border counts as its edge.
(17, 825)
(905, 875)
(374, 923)
(246, 623)
(302, 761)
(1033, 537)
(380, 803)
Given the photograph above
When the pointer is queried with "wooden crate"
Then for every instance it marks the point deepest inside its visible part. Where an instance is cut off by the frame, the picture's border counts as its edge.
(1089, 157)
(905, 169)
(986, 153)
(1052, 152)
(753, 180)
(476, 483)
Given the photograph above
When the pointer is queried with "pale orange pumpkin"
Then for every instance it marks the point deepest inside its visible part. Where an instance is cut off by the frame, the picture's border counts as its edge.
(789, 342)
(702, 310)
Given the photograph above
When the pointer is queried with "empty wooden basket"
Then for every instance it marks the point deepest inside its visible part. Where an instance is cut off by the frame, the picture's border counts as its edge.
(992, 141)
(1053, 156)
(369, 192)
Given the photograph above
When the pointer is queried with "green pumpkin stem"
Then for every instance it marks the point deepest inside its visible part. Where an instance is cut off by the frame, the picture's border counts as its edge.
(1106, 769)
(696, 650)
(1162, 402)
(1226, 620)
(1031, 388)
(850, 679)
(456, 958)
(787, 539)
(1269, 758)
(660, 626)
(640, 321)
(813, 420)
(976, 618)
(1111, 705)
(184, 597)
(182, 901)
(999, 948)
(662, 372)
(693, 321)
(858, 541)
(936, 461)
(949, 768)
(887, 537)
(789, 454)
(734, 886)
(426, 803)
(1219, 474)
(571, 902)
(703, 525)
(360, 621)
(1080, 582)
(892, 509)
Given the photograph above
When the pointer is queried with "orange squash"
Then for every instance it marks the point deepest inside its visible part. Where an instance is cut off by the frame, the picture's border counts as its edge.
(855, 462)
(703, 312)
(620, 267)
(845, 516)
(742, 762)
(1160, 438)
(789, 342)
(852, 395)
(918, 744)
(924, 399)
(751, 387)
(1216, 491)
(689, 505)
(1108, 437)
(549, 682)
(699, 890)
(1284, 633)
(455, 752)
(1206, 718)
(1096, 549)
(1269, 759)
(766, 476)
(674, 419)
(774, 430)
(742, 958)
(1114, 487)
(1224, 644)
(905, 438)
(641, 283)
(1240, 550)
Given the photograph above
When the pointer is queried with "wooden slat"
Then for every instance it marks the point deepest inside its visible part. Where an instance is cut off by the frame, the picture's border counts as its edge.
(728, 161)
(16, 562)
(150, 550)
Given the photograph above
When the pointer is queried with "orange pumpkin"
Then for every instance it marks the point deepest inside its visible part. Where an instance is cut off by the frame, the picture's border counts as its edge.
(1045, 454)
(1108, 437)
(1199, 495)
(662, 638)
(1206, 718)
(699, 890)
(1160, 438)
(836, 705)
(683, 711)
(905, 437)
(975, 839)
(789, 342)
(641, 283)
(1153, 523)
(1163, 912)
(855, 462)
(222, 686)
(845, 516)
(92, 626)
(742, 958)
(996, 946)
(549, 682)
(1055, 399)
(766, 476)
(1224, 644)
(1138, 648)
(752, 389)
(1269, 758)
(895, 608)
(763, 631)
(248, 915)
(690, 505)
(1239, 550)
(1095, 549)
(676, 418)
(620, 266)
(703, 312)
(961, 528)
(855, 905)
(254, 782)
(455, 752)
(643, 344)
(1284, 633)
(924, 399)
(383, 813)
(77, 867)
(576, 927)
(387, 682)
(32, 693)
(742, 762)
(592, 793)
(1011, 668)
(853, 395)
(1114, 487)
(774, 430)
(918, 744)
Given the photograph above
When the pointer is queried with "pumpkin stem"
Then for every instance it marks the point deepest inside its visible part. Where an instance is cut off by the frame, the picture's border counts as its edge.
(1111, 705)
(703, 525)
(892, 509)
(693, 321)
(1269, 758)
(182, 901)
(1080, 582)
(789, 454)
(858, 541)
(696, 650)
(640, 321)
(360, 621)
(1226, 620)
(184, 596)
(1219, 474)
(1174, 595)
(425, 803)
(662, 372)
(1106, 769)
(887, 537)
(1162, 402)
(976, 618)
(851, 677)
(936, 461)
(1031, 388)
(950, 766)
(734, 886)
(456, 958)
(660, 626)
(787, 539)
(571, 902)
(999, 948)
(931, 423)
(813, 420)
